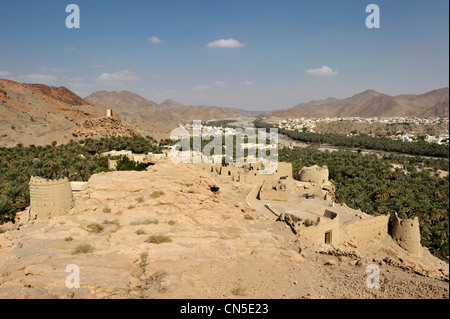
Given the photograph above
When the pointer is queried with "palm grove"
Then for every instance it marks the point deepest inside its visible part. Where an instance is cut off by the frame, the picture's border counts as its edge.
(370, 183)
(365, 182)
(76, 160)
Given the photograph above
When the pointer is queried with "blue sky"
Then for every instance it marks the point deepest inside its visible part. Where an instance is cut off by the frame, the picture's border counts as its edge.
(250, 54)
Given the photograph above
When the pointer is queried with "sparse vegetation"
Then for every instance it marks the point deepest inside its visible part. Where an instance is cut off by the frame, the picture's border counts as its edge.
(171, 222)
(111, 222)
(131, 206)
(83, 249)
(157, 194)
(140, 199)
(143, 263)
(106, 210)
(158, 239)
(68, 238)
(150, 221)
(95, 228)
(239, 291)
(140, 232)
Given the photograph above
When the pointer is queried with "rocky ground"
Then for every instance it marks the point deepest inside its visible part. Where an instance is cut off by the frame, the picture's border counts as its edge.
(168, 233)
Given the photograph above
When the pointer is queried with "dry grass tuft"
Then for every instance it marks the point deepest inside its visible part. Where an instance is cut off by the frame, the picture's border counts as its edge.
(239, 291)
(140, 232)
(158, 239)
(95, 228)
(140, 199)
(83, 249)
(157, 194)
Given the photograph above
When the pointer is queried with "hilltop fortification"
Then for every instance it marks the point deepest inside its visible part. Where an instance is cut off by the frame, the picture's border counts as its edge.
(50, 198)
(407, 234)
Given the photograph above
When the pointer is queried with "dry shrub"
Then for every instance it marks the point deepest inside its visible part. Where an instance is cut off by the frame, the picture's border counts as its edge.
(158, 239)
(83, 249)
(95, 228)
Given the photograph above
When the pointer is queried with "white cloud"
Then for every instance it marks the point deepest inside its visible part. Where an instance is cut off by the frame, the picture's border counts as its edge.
(72, 48)
(222, 43)
(43, 69)
(323, 71)
(115, 80)
(200, 88)
(219, 84)
(118, 76)
(247, 83)
(37, 78)
(5, 73)
(155, 40)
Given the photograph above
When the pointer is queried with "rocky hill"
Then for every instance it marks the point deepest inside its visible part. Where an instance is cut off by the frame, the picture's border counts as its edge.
(123, 102)
(105, 127)
(374, 104)
(159, 120)
(175, 232)
(40, 114)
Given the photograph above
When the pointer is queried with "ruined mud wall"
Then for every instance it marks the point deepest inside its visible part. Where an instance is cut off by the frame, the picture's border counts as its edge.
(316, 234)
(407, 234)
(314, 174)
(364, 231)
(50, 198)
(273, 190)
(284, 169)
(250, 173)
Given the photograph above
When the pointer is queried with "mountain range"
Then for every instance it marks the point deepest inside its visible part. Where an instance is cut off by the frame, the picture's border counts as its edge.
(158, 120)
(374, 104)
(39, 114)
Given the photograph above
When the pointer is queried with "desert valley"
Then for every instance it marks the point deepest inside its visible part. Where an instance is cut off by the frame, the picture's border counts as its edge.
(225, 158)
(203, 232)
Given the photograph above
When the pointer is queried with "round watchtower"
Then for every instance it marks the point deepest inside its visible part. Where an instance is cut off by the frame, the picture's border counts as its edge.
(50, 197)
(407, 234)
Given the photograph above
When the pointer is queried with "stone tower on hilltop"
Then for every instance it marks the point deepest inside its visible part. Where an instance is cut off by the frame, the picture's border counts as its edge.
(49, 198)
(407, 234)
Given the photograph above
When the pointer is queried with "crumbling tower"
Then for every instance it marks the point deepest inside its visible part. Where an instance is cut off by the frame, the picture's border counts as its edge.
(314, 174)
(406, 233)
(50, 198)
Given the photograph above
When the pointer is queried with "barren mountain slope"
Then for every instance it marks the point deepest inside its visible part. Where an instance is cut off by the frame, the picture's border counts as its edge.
(123, 102)
(158, 120)
(40, 114)
(371, 103)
